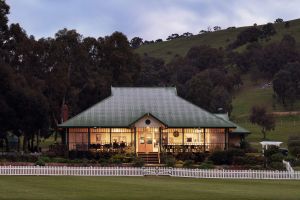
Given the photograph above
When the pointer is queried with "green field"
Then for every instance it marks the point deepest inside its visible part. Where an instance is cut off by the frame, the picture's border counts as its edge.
(168, 49)
(41, 187)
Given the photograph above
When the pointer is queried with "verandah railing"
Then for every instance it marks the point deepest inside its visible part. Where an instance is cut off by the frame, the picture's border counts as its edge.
(142, 171)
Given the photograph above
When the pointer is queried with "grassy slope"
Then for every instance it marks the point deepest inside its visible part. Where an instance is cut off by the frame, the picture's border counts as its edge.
(167, 50)
(28, 187)
(251, 94)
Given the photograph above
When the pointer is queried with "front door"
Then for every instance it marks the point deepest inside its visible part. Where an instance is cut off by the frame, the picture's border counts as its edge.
(145, 141)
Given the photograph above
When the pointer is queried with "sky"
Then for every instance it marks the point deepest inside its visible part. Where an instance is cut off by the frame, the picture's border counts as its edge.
(148, 19)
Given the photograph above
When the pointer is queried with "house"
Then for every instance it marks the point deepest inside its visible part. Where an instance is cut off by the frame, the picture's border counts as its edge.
(154, 119)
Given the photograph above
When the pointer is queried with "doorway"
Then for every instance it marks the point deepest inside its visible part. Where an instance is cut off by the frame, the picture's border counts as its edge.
(147, 140)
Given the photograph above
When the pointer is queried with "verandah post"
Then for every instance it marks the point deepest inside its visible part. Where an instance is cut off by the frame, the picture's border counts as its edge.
(134, 139)
(160, 139)
(204, 140)
(226, 138)
(110, 138)
(183, 149)
(89, 138)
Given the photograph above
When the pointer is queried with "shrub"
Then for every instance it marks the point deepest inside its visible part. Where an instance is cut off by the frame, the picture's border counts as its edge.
(294, 145)
(248, 160)
(45, 159)
(40, 162)
(219, 157)
(207, 165)
(225, 157)
(277, 157)
(185, 156)
(296, 163)
(188, 164)
(60, 160)
(200, 157)
(72, 154)
(138, 162)
(295, 151)
(270, 151)
(170, 161)
(277, 166)
(19, 158)
(117, 159)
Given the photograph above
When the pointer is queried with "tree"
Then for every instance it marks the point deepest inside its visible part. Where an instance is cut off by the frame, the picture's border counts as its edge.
(278, 20)
(251, 34)
(260, 117)
(267, 30)
(286, 83)
(136, 42)
(204, 57)
(217, 28)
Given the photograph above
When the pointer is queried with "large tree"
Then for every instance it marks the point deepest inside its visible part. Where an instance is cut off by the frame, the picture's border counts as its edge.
(286, 83)
(260, 117)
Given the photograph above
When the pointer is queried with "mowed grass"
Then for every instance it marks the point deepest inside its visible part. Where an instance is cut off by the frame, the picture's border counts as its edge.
(122, 188)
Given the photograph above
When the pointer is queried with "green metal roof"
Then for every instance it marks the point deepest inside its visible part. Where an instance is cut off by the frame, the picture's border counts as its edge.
(238, 129)
(128, 104)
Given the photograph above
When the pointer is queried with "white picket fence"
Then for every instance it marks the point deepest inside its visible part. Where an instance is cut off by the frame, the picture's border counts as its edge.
(144, 171)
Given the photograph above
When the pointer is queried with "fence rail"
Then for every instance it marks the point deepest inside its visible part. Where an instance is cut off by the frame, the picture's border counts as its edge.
(143, 171)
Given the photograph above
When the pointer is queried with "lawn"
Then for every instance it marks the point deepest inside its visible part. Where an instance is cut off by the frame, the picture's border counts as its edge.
(42, 187)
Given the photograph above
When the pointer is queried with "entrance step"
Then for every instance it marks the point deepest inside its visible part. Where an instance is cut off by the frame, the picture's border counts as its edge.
(149, 157)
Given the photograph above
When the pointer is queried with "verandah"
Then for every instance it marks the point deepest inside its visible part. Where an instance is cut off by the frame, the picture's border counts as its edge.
(127, 139)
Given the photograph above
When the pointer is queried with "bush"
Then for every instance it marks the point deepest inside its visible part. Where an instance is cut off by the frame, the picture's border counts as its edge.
(185, 156)
(59, 160)
(19, 158)
(271, 150)
(138, 162)
(188, 164)
(225, 157)
(219, 157)
(200, 157)
(277, 166)
(45, 159)
(117, 159)
(197, 157)
(207, 165)
(277, 157)
(295, 151)
(40, 162)
(294, 145)
(248, 160)
(170, 161)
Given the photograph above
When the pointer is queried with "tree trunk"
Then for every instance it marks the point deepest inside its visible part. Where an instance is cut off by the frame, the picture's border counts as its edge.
(7, 144)
(264, 133)
(38, 140)
(25, 141)
(32, 143)
(19, 143)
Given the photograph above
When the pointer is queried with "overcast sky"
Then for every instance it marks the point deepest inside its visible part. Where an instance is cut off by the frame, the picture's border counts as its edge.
(149, 19)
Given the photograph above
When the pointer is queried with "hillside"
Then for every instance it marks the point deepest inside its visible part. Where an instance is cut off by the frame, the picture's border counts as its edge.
(249, 94)
(168, 49)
